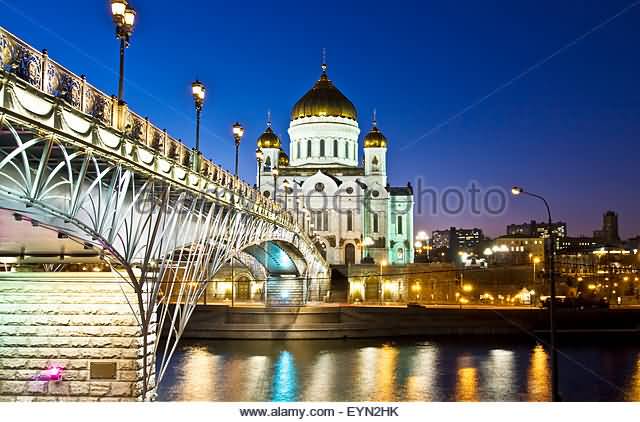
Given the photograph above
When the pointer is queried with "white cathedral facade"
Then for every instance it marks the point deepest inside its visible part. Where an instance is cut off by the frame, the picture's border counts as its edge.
(346, 203)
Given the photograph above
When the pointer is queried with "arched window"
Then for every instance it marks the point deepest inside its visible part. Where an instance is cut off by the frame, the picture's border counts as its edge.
(349, 221)
(399, 224)
(374, 163)
(375, 223)
(309, 148)
(267, 163)
(335, 148)
(321, 147)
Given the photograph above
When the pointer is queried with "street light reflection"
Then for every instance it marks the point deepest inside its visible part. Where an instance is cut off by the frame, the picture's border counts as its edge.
(538, 377)
(466, 380)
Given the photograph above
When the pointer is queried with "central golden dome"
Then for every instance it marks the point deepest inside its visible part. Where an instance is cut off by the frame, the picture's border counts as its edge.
(324, 100)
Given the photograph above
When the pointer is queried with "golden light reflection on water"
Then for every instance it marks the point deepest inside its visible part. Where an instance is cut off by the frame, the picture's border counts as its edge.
(385, 390)
(467, 384)
(196, 380)
(376, 374)
(538, 376)
(634, 387)
(466, 380)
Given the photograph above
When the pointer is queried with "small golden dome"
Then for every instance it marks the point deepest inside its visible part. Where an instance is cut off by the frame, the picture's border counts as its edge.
(283, 159)
(268, 139)
(324, 99)
(375, 138)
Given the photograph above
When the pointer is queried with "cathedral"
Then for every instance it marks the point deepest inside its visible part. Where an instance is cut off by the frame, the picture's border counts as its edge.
(345, 203)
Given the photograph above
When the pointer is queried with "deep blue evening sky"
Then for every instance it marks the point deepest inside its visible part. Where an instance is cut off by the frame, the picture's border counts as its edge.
(568, 129)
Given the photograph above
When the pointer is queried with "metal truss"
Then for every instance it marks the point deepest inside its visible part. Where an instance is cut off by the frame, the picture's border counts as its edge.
(164, 237)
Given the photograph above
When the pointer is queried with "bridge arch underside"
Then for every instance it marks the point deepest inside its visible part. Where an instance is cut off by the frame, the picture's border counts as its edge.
(138, 221)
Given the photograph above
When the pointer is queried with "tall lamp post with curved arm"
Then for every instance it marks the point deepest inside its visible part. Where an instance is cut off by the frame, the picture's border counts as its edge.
(550, 255)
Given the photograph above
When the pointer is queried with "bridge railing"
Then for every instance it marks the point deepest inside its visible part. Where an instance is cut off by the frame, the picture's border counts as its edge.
(38, 70)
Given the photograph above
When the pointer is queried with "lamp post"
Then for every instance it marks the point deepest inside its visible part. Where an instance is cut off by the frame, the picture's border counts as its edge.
(550, 260)
(238, 131)
(124, 17)
(274, 172)
(198, 91)
(259, 157)
(285, 185)
(383, 263)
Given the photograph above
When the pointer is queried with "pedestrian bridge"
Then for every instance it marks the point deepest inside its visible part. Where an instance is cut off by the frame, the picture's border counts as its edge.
(100, 185)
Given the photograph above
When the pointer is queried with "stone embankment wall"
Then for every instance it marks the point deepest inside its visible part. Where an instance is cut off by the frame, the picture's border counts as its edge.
(80, 322)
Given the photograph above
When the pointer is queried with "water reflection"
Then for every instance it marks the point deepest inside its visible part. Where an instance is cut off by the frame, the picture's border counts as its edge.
(376, 370)
(634, 387)
(466, 380)
(285, 381)
(538, 377)
(497, 371)
(423, 374)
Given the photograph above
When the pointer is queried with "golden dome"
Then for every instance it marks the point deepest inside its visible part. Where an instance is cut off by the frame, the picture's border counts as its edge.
(283, 159)
(375, 138)
(324, 99)
(268, 139)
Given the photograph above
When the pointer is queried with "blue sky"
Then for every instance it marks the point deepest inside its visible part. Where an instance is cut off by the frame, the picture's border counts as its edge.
(536, 93)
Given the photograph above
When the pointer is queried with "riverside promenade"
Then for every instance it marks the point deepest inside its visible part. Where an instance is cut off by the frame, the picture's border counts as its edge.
(335, 322)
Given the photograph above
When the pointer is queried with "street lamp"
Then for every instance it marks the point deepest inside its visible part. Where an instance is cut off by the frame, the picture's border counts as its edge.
(383, 263)
(274, 172)
(535, 260)
(285, 185)
(124, 17)
(550, 260)
(198, 91)
(259, 157)
(238, 131)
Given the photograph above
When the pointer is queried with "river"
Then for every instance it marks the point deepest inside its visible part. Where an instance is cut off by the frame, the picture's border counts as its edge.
(402, 370)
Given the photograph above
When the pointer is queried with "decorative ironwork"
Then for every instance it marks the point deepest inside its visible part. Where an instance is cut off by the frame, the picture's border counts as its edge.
(164, 228)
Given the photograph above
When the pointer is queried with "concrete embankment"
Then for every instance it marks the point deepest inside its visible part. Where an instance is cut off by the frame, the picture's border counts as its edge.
(222, 322)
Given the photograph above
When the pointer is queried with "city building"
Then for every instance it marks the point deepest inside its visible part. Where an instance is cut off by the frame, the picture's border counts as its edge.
(537, 229)
(346, 203)
(609, 233)
(516, 249)
(454, 241)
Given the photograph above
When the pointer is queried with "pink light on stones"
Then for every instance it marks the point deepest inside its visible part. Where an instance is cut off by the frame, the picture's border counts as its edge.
(53, 373)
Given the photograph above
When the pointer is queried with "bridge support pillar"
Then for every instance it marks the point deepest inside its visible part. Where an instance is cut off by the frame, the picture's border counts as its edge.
(69, 336)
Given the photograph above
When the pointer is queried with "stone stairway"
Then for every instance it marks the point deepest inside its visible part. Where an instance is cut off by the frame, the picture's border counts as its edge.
(285, 291)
